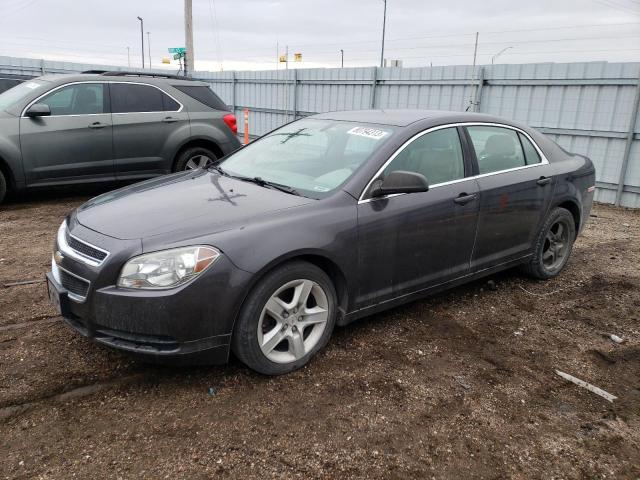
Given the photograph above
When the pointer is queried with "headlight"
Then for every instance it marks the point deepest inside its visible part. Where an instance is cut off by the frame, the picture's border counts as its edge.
(167, 268)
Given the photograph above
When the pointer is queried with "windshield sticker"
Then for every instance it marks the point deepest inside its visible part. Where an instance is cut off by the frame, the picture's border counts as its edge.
(368, 132)
(319, 188)
(31, 85)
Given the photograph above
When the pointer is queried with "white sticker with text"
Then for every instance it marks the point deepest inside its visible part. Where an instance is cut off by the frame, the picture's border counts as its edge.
(368, 132)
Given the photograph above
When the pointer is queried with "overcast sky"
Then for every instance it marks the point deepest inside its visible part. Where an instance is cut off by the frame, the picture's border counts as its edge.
(243, 34)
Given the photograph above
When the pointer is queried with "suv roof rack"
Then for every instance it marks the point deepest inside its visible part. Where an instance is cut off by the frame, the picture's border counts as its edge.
(125, 73)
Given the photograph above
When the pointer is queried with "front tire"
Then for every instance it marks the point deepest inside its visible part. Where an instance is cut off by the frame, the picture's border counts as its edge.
(194, 158)
(286, 319)
(3, 186)
(553, 245)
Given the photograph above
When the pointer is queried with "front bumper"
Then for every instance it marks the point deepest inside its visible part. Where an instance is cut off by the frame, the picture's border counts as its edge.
(188, 324)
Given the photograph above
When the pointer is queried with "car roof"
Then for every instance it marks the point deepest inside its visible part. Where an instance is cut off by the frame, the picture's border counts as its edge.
(133, 78)
(405, 117)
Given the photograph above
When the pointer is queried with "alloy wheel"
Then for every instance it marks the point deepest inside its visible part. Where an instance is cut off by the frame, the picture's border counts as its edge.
(198, 161)
(556, 245)
(293, 320)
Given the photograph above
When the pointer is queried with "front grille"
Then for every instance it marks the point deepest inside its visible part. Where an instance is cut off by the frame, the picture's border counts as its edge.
(74, 285)
(86, 250)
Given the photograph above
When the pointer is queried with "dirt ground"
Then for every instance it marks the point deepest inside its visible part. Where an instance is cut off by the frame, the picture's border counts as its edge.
(461, 385)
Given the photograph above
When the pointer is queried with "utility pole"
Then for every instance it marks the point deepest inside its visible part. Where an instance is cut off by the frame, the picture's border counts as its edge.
(473, 73)
(128, 57)
(188, 37)
(341, 58)
(142, 38)
(149, 47)
(384, 24)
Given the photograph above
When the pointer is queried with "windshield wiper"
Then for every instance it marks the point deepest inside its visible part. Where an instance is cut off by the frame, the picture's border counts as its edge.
(218, 169)
(265, 183)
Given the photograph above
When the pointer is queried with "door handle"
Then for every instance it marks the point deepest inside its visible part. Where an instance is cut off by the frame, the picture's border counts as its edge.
(463, 198)
(542, 181)
(170, 120)
(98, 125)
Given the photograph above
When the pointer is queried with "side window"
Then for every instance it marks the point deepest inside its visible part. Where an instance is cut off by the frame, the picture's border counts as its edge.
(530, 153)
(436, 155)
(496, 148)
(131, 97)
(78, 99)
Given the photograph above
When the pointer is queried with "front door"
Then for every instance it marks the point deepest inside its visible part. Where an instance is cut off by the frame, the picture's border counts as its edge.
(516, 186)
(413, 241)
(75, 142)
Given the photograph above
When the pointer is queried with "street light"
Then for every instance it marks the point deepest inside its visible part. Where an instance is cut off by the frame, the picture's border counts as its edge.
(142, 38)
(384, 24)
(149, 47)
(499, 53)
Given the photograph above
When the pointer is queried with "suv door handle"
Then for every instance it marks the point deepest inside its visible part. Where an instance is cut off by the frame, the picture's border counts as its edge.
(463, 198)
(542, 181)
(98, 125)
(170, 120)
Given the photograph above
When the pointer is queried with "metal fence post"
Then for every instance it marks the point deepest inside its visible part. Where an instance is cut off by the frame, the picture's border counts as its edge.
(477, 100)
(42, 69)
(233, 91)
(295, 94)
(628, 145)
(374, 83)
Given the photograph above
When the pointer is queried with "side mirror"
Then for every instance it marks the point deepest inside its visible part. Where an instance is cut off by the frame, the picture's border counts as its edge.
(38, 110)
(400, 182)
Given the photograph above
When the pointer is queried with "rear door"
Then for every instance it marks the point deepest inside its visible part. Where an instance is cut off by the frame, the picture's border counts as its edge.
(147, 124)
(516, 186)
(75, 142)
(413, 241)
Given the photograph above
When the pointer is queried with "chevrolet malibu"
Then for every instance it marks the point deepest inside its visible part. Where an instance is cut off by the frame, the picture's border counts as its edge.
(323, 221)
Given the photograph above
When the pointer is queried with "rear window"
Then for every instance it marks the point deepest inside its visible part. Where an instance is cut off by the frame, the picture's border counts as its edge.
(132, 97)
(204, 95)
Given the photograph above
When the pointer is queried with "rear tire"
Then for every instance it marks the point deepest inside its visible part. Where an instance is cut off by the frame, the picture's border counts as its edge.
(3, 187)
(553, 245)
(286, 319)
(193, 158)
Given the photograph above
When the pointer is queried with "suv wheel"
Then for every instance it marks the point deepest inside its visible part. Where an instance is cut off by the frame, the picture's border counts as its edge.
(286, 319)
(553, 245)
(194, 158)
(3, 186)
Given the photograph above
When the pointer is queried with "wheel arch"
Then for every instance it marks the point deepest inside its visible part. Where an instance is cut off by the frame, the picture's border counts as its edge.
(575, 211)
(8, 174)
(324, 263)
(197, 142)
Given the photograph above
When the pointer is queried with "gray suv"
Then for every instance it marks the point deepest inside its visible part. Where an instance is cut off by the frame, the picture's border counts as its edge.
(105, 126)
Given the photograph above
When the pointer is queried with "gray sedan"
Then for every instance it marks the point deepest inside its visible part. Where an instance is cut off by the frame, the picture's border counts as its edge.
(323, 221)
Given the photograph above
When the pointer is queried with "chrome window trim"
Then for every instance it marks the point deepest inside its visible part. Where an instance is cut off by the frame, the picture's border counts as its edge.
(66, 249)
(543, 158)
(104, 82)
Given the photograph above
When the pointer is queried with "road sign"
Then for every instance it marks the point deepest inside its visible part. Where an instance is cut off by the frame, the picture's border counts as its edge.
(166, 60)
(283, 59)
(178, 56)
(178, 50)
(297, 57)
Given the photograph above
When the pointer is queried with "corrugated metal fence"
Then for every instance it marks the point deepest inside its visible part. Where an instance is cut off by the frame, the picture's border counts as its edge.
(588, 108)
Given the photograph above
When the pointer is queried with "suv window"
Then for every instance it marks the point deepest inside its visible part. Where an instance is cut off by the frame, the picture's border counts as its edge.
(530, 153)
(131, 97)
(78, 99)
(436, 155)
(204, 95)
(496, 148)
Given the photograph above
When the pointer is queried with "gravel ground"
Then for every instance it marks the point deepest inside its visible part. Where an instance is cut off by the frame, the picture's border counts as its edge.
(460, 385)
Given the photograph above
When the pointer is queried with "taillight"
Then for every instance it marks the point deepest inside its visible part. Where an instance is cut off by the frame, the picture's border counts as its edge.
(230, 120)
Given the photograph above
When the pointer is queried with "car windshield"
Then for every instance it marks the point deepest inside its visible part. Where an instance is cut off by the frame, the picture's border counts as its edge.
(17, 93)
(312, 156)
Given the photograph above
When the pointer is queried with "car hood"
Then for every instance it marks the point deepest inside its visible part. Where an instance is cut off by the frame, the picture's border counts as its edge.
(195, 203)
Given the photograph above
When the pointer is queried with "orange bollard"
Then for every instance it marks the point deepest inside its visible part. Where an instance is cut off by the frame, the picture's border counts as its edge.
(246, 126)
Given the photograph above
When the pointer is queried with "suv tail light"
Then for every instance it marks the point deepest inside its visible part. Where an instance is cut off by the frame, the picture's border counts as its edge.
(230, 120)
